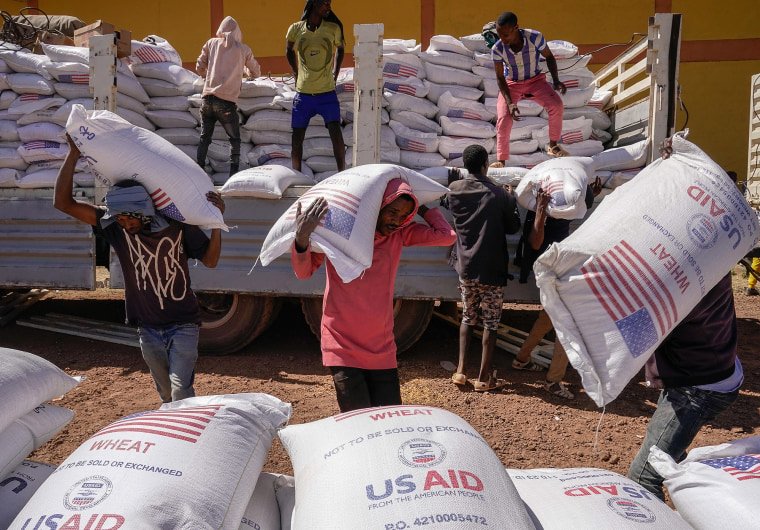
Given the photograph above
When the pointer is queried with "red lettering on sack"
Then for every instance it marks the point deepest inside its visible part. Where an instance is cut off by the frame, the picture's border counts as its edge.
(137, 446)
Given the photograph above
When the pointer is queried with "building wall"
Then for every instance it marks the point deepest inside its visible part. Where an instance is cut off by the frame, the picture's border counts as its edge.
(720, 42)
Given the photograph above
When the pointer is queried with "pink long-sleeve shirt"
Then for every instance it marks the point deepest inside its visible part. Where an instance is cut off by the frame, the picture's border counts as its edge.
(357, 317)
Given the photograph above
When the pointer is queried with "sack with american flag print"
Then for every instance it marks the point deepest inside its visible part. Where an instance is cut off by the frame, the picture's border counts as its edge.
(716, 486)
(117, 150)
(565, 179)
(618, 285)
(346, 234)
(192, 463)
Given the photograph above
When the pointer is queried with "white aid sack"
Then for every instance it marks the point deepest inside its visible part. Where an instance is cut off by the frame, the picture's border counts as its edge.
(413, 140)
(250, 105)
(453, 147)
(435, 91)
(320, 146)
(269, 120)
(27, 103)
(172, 73)
(38, 150)
(65, 54)
(119, 151)
(8, 177)
(415, 121)
(27, 380)
(716, 486)
(285, 491)
(168, 103)
(44, 178)
(530, 160)
(29, 432)
(400, 46)
(161, 88)
(452, 76)
(599, 118)
(8, 131)
(262, 512)
(585, 148)
(634, 269)
(582, 498)
(261, 154)
(577, 97)
(10, 159)
(402, 65)
(41, 131)
(19, 486)
(523, 129)
(26, 62)
(467, 128)
(190, 464)
(451, 59)
(475, 43)
(415, 160)
(522, 147)
(346, 234)
(565, 179)
(135, 119)
(180, 136)
(626, 157)
(453, 107)
(508, 176)
(573, 131)
(402, 467)
(265, 182)
(447, 43)
(619, 177)
(421, 106)
(257, 88)
(166, 119)
(154, 49)
(600, 99)
(287, 162)
(406, 85)
(562, 49)
(29, 84)
(7, 97)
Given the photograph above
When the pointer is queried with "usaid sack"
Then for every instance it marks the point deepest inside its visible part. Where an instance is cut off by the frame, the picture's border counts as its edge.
(26, 381)
(346, 234)
(634, 269)
(262, 512)
(266, 182)
(18, 487)
(581, 498)
(117, 150)
(716, 486)
(565, 179)
(406, 464)
(192, 463)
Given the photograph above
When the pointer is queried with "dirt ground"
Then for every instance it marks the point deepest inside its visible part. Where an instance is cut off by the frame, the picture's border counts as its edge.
(525, 426)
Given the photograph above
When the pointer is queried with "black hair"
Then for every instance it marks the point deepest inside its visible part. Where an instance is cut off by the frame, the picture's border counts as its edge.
(507, 18)
(331, 16)
(127, 184)
(475, 157)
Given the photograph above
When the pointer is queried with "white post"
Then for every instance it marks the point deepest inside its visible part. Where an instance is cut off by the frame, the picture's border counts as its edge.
(368, 92)
(663, 56)
(103, 84)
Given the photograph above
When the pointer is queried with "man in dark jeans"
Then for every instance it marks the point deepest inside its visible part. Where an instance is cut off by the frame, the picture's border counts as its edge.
(484, 213)
(700, 376)
(222, 62)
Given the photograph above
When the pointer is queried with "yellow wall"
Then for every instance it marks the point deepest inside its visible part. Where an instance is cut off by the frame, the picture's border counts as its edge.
(730, 19)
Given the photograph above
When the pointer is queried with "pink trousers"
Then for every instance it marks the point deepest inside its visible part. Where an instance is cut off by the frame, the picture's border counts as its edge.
(543, 94)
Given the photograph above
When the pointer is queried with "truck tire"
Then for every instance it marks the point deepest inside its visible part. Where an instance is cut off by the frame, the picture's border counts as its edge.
(410, 319)
(231, 321)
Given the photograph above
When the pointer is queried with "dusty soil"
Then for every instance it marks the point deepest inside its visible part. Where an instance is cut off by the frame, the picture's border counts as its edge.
(525, 426)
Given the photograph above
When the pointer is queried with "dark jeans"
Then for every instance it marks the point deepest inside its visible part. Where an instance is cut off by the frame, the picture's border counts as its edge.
(170, 353)
(225, 112)
(680, 413)
(357, 388)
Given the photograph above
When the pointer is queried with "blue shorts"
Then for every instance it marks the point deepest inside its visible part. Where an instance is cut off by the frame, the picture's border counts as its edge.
(306, 106)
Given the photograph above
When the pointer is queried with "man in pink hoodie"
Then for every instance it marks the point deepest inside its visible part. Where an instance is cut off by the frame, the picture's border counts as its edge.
(357, 317)
(222, 62)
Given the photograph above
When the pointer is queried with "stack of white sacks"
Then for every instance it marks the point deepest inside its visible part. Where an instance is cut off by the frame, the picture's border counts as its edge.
(435, 103)
(27, 422)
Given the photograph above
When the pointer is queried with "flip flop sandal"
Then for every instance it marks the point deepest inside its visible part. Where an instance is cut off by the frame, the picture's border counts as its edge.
(497, 165)
(459, 379)
(528, 366)
(558, 389)
(556, 151)
(492, 385)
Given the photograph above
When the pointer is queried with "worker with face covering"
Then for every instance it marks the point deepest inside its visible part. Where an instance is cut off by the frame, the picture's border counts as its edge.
(223, 61)
(357, 317)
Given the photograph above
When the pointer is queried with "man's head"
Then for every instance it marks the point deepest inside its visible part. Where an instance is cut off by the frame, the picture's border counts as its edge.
(130, 205)
(507, 28)
(475, 158)
(397, 208)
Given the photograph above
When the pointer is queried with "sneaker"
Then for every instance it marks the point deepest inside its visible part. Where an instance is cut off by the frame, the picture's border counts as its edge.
(751, 291)
(558, 389)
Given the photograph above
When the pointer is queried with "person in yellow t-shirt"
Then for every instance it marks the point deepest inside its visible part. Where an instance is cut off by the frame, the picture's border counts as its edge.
(311, 44)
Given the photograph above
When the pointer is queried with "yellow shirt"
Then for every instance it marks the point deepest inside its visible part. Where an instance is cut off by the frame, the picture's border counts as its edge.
(315, 50)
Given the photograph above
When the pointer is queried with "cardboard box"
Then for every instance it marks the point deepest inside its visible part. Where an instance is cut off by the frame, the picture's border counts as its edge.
(123, 36)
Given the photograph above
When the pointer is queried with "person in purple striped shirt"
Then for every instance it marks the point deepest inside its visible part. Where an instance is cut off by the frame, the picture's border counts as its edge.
(516, 57)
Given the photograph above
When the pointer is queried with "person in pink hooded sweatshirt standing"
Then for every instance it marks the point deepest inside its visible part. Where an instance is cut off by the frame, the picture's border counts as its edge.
(357, 317)
(223, 61)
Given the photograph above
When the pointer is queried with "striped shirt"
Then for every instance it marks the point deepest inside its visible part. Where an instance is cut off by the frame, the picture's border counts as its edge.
(521, 65)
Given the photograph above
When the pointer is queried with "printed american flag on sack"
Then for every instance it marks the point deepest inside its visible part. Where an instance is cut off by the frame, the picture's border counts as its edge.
(163, 202)
(633, 295)
(41, 144)
(399, 70)
(78, 79)
(411, 145)
(185, 424)
(745, 467)
(147, 54)
(464, 113)
(342, 208)
(400, 88)
(555, 188)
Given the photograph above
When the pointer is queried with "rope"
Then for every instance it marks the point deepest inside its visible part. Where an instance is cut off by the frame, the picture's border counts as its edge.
(23, 33)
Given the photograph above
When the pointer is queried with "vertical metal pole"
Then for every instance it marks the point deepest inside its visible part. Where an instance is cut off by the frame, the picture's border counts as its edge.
(663, 57)
(368, 92)
(103, 84)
